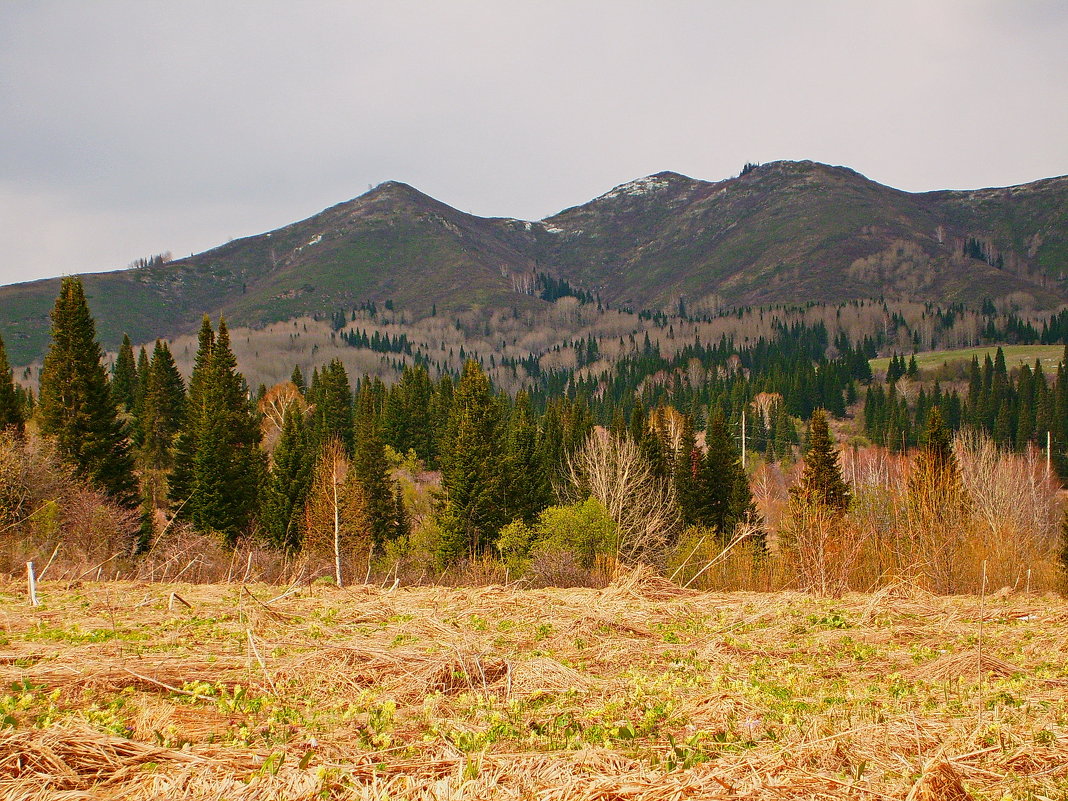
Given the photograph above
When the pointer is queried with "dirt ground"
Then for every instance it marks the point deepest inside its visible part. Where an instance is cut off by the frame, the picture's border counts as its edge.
(642, 690)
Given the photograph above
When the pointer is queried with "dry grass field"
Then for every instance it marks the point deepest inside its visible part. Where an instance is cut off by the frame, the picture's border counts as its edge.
(641, 690)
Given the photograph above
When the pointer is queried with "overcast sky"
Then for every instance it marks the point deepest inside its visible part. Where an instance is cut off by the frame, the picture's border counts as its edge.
(131, 128)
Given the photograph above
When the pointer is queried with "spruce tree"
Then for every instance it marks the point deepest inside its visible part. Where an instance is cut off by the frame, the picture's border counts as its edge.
(724, 497)
(162, 409)
(11, 415)
(76, 405)
(288, 482)
(218, 462)
(371, 469)
(124, 376)
(331, 398)
(470, 506)
(528, 489)
(298, 380)
(821, 480)
(188, 439)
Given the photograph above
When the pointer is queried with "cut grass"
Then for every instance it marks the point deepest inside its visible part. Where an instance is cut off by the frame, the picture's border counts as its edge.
(638, 691)
(1015, 355)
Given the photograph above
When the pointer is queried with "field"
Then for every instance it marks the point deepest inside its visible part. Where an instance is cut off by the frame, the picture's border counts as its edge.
(642, 690)
(1015, 355)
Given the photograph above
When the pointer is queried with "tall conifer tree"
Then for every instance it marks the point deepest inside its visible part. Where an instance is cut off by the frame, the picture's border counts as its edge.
(821, 481)
(162, 408)
(371, 470)
(76, 405)
(287, 485)
(10, 405)
(471, 504)
(124, 375)
(218, 465)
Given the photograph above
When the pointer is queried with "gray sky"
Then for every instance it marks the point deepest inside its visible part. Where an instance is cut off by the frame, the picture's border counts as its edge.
(131, 128)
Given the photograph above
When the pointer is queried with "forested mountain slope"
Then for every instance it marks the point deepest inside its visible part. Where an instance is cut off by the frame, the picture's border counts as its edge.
(780, 232)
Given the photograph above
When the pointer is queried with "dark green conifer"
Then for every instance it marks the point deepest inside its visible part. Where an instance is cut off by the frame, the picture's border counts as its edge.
(371, 469)
(76, 405)
(188, 439)
(221, 465)
(162, 409)
(527, 489)
(124, 376)
(724, 497)
(331, 398)
(288, 481)
(298, 380)
(11, 413)
(821, 480)
(471, 502)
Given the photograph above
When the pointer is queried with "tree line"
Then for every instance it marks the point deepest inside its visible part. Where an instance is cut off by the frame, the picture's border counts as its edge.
(286, 463)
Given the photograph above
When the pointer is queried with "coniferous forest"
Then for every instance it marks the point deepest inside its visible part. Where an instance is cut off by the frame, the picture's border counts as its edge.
(753, 456)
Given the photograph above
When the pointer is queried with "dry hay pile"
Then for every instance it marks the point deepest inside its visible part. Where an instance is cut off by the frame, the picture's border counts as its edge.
(639, 691)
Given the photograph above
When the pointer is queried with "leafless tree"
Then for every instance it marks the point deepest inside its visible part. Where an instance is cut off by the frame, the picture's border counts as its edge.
(614, 471)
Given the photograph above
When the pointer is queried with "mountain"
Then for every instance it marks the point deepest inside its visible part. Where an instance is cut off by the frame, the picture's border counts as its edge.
(784, 232)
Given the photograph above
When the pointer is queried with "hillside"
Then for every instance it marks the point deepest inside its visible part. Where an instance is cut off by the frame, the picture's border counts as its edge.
(782, 232)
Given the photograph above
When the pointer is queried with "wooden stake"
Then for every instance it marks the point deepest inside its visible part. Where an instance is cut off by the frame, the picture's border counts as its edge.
(31, 581)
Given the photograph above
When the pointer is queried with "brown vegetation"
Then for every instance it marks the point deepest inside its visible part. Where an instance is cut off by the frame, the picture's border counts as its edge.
(641, 690)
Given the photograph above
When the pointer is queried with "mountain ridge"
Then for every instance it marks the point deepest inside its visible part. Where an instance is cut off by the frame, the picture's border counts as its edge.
(781, 232)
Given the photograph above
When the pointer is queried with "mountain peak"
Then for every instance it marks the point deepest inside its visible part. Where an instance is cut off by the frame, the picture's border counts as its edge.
(650, 184)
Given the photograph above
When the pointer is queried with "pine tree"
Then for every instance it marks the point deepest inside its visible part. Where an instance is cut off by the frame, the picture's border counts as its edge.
(124, 376)
(218, 462)
(331, 396)
(288, 482)
(724, 497)
(469, 509)
(527, 489)
(76, 405)
(371, 469)
(298, 380)
(162, 409)
(188, 440)
(821, 480)
(11, 415)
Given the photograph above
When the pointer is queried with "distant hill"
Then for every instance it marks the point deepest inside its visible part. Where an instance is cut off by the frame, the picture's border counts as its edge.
(784, 232)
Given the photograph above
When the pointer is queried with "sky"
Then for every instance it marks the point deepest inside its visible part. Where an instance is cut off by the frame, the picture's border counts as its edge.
(133, 128)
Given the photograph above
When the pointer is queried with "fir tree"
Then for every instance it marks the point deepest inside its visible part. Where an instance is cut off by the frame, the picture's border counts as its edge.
(11, 414)
(469, 508)
(331, 396)
(162, 408)
(821, 480)
(76, 405)
(528, 490)
(371, 469)
(288, 482)
(298, 380)
(124, 376)
(724, 497)
(140, 388)
(221, 463)
(188, 440)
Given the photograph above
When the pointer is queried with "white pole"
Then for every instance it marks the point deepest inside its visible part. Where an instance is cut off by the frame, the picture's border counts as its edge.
(743, 439)
(31, 581)
(1049, 448)
(337, 530)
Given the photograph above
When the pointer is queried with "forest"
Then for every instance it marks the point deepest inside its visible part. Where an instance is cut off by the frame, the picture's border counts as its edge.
(772, 461)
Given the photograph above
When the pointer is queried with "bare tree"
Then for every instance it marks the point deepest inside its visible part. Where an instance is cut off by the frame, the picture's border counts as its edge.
(335, 520)
(614, 471)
